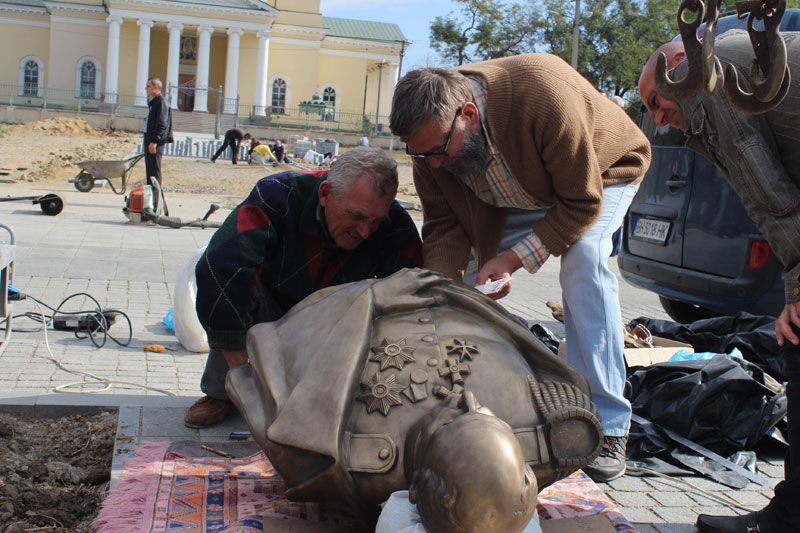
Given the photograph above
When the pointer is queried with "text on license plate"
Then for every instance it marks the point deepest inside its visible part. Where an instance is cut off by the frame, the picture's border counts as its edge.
(651, 230)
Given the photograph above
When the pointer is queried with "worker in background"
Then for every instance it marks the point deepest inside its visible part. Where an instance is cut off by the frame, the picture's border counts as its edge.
(233, 139)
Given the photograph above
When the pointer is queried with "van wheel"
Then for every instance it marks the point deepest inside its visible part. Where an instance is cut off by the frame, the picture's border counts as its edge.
(684, 313)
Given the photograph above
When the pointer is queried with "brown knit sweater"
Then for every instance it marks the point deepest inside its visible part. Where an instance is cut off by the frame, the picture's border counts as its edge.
(563, 141)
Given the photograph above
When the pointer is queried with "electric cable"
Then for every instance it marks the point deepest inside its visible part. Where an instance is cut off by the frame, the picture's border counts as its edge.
(96, 322)
(98, 380)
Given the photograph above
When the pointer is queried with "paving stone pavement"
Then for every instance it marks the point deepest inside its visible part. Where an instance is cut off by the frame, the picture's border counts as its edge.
(91, 248)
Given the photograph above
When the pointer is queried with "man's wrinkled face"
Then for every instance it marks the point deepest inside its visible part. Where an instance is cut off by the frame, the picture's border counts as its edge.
(355, 216)
(664, 111)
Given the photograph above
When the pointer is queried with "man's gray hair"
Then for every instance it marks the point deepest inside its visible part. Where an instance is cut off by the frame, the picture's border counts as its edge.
(156, 82)
(360, 161)
(427, 94)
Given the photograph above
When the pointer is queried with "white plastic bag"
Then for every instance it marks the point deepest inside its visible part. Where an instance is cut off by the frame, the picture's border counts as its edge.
(399, 515)
(188, 330)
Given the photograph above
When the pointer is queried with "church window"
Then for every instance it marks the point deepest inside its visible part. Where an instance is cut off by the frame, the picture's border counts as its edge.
(278, 96)
(30, 80)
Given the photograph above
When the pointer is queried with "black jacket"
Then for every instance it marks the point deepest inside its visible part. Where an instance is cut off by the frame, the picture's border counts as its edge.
(158, 128)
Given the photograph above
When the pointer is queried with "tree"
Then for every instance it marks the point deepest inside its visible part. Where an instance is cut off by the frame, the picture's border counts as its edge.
(487, 29)
(457, 41)
(616, 36)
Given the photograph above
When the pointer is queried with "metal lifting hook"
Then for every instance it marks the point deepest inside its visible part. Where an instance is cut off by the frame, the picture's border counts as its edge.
(712, 68)
(770, 51)
(694, 82)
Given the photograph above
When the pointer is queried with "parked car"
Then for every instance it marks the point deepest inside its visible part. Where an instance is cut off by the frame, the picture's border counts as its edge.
(688, 238)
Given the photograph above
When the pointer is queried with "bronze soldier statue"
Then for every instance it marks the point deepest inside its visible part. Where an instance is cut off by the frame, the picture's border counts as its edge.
(414, 382)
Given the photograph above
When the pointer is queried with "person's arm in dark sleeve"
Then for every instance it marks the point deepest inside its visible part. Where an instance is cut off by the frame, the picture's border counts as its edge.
(228, 271)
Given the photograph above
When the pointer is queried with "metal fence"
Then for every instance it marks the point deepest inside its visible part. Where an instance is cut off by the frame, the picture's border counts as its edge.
(340, 121)
(346, 121)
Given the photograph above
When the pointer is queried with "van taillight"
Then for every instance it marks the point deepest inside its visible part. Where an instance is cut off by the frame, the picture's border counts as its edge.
(759, 254)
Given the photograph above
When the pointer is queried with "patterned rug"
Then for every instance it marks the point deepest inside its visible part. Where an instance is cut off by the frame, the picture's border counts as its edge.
(179, 487)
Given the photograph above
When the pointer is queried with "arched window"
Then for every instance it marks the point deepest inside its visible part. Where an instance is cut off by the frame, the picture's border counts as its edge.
(31, 76)
(278, 104)
(329, 96)
(87, 77)
(30, 82)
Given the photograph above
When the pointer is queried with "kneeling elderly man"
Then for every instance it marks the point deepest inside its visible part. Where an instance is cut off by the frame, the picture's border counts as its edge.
(296, 233)
(414, 382)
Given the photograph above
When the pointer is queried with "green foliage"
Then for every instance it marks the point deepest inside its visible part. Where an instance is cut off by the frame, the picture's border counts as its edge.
(616, 36)
(486, 29)
(3, 130)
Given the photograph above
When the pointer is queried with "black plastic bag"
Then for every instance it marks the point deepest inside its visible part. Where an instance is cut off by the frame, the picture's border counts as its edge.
(719, 403)
(754, 335)
(546, 336)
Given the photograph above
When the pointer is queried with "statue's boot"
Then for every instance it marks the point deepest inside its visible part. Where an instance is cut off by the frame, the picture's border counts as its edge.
(571, 436)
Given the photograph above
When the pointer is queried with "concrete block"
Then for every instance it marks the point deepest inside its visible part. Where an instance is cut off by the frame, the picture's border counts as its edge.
(672, 499)
(633, 499)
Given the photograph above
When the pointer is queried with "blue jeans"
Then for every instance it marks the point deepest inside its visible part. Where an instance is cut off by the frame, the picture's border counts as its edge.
(592, 315)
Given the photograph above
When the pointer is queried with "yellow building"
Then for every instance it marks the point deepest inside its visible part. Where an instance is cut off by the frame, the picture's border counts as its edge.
(256, 58)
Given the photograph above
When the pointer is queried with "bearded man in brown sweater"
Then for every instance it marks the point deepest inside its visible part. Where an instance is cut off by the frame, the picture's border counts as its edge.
(529, 133)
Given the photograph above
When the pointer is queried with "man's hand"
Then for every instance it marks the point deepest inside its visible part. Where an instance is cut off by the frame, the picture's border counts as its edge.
(151, 148)
(501, 266)
(790, 314)
(235, 357)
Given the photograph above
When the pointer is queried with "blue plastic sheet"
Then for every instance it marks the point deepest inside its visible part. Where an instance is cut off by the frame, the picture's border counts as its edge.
(168, 320)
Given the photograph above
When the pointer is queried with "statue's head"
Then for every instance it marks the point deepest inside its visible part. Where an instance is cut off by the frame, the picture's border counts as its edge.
(467, 472)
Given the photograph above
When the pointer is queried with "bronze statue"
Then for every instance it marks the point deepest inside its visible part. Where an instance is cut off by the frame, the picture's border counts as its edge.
(414, 382)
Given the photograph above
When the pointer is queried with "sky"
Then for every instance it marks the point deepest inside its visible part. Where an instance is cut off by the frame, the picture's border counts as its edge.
(413, 16)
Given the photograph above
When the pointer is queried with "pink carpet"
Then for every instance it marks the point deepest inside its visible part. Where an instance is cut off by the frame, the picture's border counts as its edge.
(166, 491)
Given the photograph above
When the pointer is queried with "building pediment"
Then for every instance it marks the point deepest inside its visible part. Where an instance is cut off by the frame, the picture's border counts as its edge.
(204, 8)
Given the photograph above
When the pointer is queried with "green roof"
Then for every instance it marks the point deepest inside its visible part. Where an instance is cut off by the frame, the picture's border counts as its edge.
(363, 29)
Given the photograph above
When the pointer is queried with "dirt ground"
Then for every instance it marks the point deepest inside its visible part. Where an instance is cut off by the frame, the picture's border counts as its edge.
(47, 150)
(54, 473)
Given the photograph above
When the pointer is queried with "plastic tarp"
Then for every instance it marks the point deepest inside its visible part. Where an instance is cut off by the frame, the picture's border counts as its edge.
(720, 403)
(753, 335)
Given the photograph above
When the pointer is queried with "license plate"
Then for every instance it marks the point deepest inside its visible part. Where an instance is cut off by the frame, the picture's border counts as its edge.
(651, 230)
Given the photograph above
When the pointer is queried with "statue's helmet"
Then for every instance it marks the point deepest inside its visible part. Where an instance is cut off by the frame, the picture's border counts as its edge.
(467, 472)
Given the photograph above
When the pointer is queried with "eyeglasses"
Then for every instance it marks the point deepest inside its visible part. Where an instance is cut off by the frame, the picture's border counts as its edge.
(443, 153)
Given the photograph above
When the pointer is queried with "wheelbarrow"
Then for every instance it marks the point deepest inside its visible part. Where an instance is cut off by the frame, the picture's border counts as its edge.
(91, 171)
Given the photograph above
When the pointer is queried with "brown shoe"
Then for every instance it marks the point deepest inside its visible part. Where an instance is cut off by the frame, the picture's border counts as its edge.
(207, 411)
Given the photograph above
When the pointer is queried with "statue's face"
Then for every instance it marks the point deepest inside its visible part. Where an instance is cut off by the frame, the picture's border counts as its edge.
(478, 456)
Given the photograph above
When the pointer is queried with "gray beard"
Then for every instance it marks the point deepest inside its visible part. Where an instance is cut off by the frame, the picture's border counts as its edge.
(473, 157)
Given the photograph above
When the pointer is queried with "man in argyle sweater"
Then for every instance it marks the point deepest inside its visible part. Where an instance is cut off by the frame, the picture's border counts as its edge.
(295, 234)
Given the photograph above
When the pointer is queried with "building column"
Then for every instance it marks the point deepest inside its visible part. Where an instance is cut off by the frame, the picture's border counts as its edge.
(175, 29)
(143, 65)
(112, 59)
(203, 57)
(232, 71)
(262, 69)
